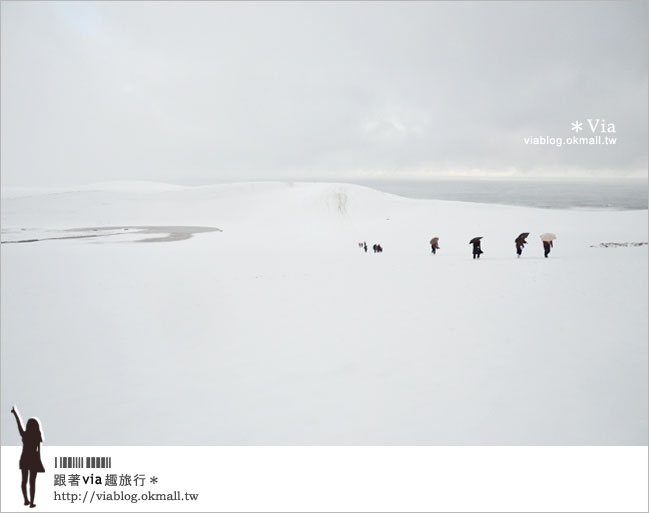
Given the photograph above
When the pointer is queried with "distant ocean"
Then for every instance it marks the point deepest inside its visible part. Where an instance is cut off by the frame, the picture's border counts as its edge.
(604, 194)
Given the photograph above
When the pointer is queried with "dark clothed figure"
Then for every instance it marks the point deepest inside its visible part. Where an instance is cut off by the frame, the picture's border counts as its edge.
(477, 251)
(30, 458)
(547, 246)
(520, 241)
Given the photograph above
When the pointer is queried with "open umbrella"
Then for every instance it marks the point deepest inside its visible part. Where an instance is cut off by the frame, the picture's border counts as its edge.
(548, 237)
(474, 239)
(523, 236)
(434, 240)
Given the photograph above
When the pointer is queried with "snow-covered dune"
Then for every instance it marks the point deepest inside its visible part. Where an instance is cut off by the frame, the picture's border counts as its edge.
(276, 328)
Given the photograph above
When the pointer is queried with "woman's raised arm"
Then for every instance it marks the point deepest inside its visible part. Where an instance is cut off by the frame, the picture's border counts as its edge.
(20, 424)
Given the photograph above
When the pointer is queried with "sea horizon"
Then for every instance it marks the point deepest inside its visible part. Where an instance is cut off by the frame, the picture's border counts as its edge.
(597, 194)
(629, 193)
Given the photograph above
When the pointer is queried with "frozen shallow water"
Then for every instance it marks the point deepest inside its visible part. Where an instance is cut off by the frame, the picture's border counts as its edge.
(116, 233)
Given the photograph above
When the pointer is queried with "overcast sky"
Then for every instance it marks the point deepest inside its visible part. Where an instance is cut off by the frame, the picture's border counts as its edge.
(207, 92)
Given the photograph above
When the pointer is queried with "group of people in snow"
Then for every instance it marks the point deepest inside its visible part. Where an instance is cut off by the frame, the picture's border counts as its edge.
(377, 248)
(519, 243)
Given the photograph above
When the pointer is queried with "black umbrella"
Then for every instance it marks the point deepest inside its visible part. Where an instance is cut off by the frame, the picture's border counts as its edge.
(523, 236)
(474, 239)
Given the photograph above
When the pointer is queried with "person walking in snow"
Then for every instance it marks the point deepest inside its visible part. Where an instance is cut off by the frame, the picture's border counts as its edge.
(547, 239)
(547, 247)
(365, 247)
(520, 242)
(434, 244)
(477, 250)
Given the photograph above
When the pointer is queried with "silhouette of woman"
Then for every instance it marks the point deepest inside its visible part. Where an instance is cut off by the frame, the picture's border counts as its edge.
(30, 459)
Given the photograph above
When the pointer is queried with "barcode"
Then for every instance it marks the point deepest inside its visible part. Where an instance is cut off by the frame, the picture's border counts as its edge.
(82, 462)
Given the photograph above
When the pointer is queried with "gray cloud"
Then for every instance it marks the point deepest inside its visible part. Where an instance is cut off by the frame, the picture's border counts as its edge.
(206, 92)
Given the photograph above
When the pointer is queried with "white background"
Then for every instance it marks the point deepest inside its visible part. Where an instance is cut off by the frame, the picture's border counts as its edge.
(356, 478)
